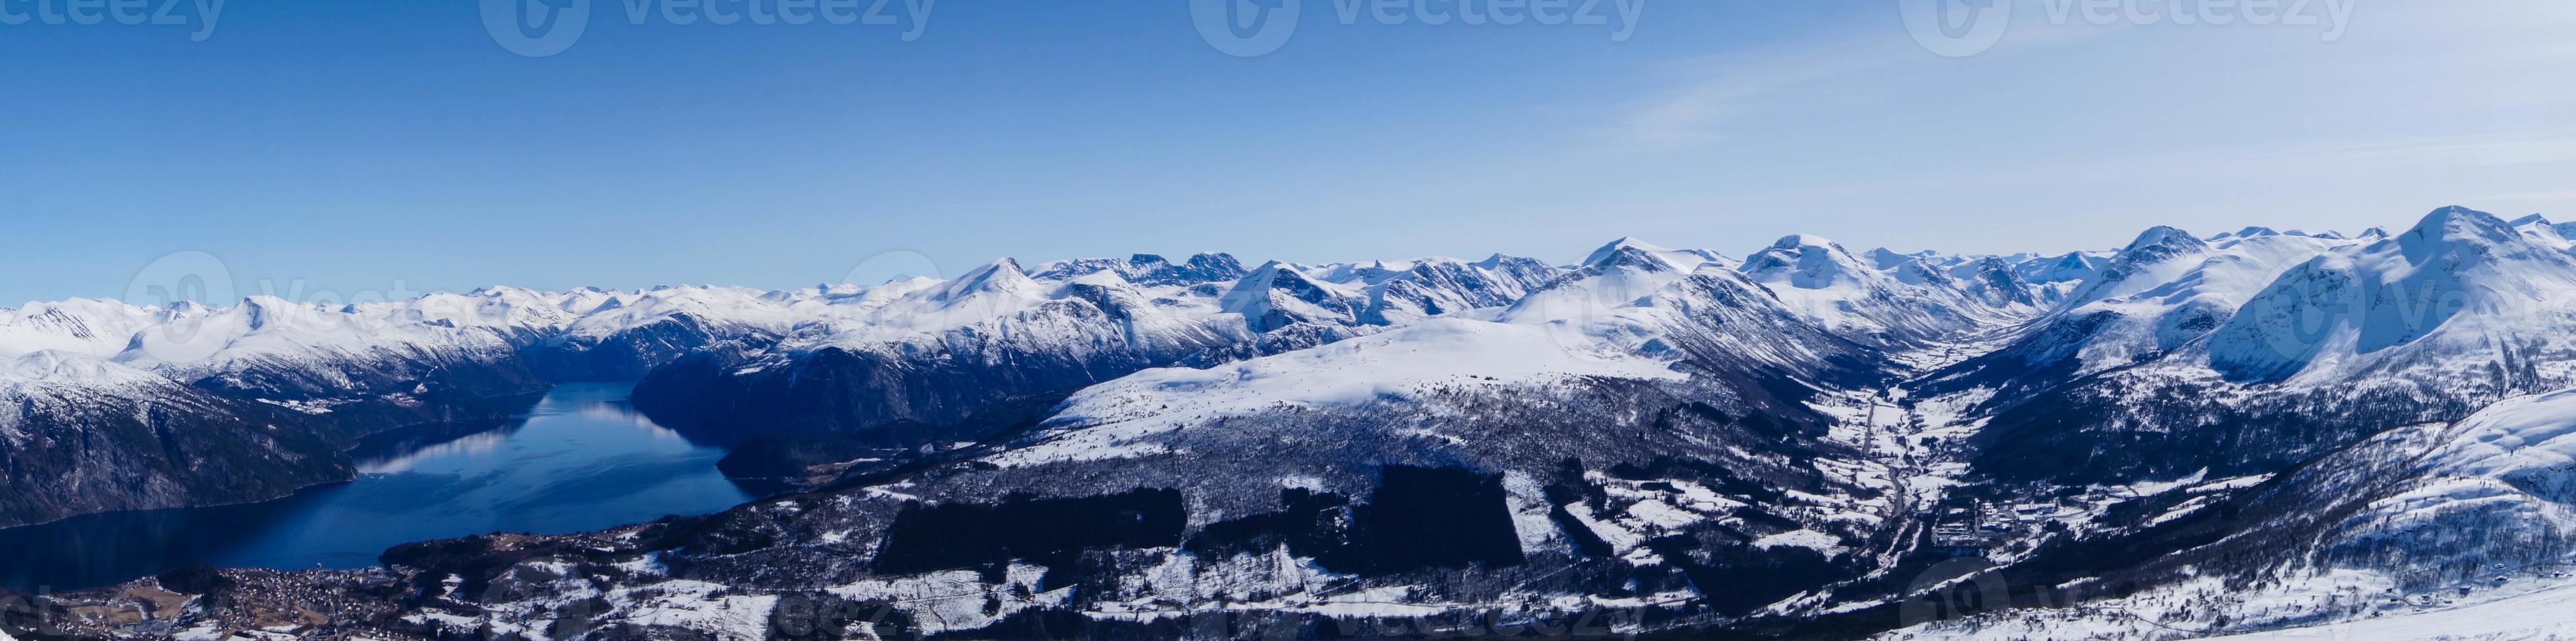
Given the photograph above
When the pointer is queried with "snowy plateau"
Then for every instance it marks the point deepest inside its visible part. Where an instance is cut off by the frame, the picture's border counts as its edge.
(2254, 434)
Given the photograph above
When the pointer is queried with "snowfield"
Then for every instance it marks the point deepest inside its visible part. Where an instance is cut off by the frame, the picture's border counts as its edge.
(2540, 615)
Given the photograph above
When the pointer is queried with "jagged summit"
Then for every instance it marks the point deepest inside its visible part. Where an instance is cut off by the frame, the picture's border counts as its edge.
(1149, 269)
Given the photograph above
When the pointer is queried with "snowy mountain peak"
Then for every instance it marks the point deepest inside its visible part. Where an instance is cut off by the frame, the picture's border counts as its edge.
(2248, 232)
(2159, 255)
(2162, 241)
(1000, 276)
(263, 312)
(2540, 230)
(1809, 262)
(2074, 267)
(2452, 228)
(1884, 258)
(1630, 258)
(2353, 309)
(1643, 255)
(1148, 269)
(1796, 241)
(1615, 246)
(1277, 295)
(2157, 245)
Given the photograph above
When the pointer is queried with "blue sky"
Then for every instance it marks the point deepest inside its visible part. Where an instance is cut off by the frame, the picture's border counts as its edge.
(354, 145)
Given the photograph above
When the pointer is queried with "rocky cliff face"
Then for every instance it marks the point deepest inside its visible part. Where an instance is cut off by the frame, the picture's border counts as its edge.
(155, 444)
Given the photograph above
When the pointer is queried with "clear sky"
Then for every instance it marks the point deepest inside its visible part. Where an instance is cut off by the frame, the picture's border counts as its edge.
(351, 145)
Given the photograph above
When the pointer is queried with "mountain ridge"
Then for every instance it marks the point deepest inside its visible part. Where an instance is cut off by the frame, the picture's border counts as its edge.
(1805, 442)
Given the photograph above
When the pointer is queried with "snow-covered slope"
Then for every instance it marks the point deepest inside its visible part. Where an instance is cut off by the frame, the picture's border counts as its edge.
(1904, 301)
(2539, 615)
(1631, 314)
(2165, 290)
(2493, 497)
(2186, 353)
(2460, 283)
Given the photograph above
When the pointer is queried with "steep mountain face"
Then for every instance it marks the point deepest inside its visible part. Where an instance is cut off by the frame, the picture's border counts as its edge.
(81, 435)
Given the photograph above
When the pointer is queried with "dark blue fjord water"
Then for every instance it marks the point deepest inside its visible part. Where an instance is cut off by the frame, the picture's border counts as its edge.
(581, 460)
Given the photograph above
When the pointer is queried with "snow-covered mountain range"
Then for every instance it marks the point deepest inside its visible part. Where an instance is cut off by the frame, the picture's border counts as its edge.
(2185, 436)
